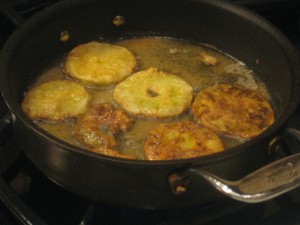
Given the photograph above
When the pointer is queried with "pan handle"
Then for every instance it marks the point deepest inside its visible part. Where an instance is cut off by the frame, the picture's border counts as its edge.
(263, 184)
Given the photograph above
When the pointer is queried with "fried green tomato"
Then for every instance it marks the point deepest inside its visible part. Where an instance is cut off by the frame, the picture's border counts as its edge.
(153, 93)
(99, 64)
(98, 127)
(111, 152)
(181, 140)
(233, 110)
(55, 100)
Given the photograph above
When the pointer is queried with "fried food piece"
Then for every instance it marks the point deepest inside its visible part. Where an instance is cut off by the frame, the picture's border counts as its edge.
(153, 93)
(98, 126)
(55, 100)
(233, 110)
(98, 64)
(111, 152)
(181, 140)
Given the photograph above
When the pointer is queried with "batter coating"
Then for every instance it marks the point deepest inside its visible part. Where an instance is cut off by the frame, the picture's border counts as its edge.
(233, 110)
(111, 152)
(153, 93)
(98, 64)
(98, 126)
(55, 100)
(181, 140)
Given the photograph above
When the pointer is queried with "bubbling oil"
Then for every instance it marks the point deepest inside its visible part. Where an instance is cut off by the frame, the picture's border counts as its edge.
(178, 57)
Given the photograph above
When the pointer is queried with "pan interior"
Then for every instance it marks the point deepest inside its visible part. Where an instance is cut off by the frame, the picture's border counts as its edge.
(201, 66)
(234, 31)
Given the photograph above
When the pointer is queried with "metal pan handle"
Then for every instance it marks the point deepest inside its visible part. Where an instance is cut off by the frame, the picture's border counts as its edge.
(266, 183)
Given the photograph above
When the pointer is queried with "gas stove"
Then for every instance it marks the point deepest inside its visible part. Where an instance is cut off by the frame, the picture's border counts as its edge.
(28, 197)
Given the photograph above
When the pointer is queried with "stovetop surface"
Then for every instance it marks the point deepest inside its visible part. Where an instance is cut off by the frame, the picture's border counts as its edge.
(44, 202)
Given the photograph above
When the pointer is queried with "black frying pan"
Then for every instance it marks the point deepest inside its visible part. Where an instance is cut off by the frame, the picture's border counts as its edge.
(146, 184)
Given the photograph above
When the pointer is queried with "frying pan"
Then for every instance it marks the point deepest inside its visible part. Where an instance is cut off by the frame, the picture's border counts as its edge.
(155, 184)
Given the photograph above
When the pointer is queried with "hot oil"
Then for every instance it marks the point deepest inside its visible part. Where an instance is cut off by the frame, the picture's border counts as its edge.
(181, 58)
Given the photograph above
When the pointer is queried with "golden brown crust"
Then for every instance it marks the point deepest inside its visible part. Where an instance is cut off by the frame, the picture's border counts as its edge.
(111, 152)
(98, 64)
(233, 110)
(181, 140)
(98, 126)
(55, 100)
(153, 93)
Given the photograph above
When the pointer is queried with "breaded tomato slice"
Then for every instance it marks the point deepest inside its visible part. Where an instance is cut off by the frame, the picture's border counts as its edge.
(111, 152)
(98, 64)
(233, 110)
(97, 127)
(181, 140)
(55, 100)
(153, 93)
